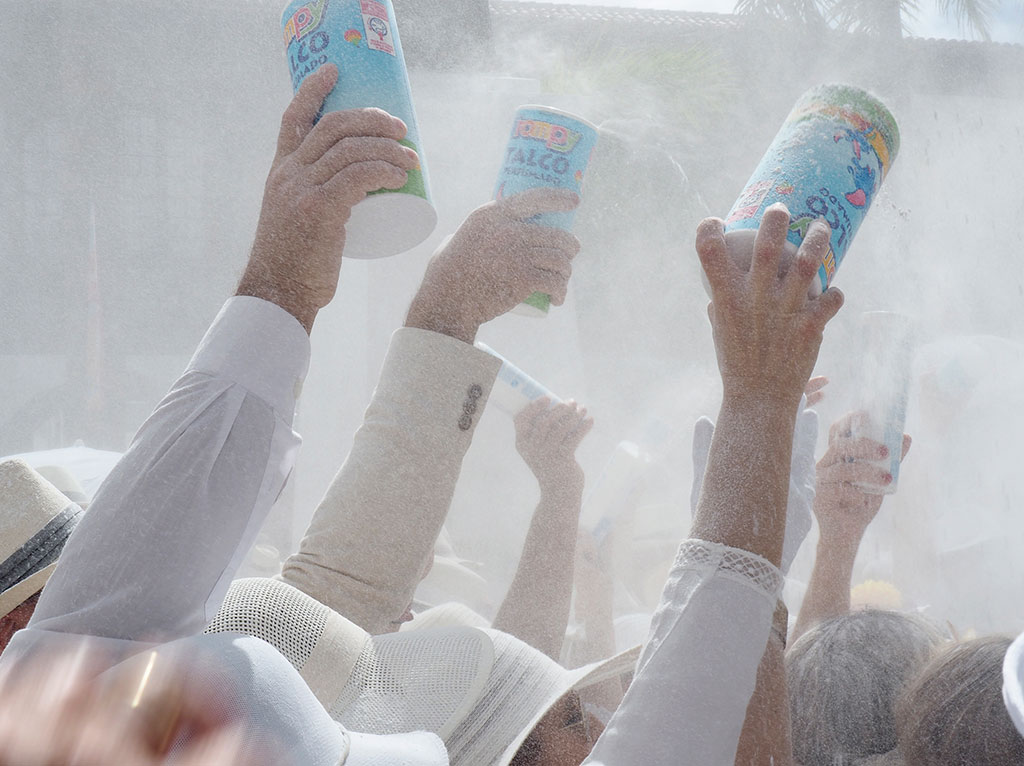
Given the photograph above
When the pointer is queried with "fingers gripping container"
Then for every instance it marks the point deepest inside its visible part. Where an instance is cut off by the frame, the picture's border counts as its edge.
(548, 147)
(827, 161)
(513, 389)
(361, 38)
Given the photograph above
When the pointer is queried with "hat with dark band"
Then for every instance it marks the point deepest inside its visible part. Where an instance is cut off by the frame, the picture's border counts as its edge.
(36, 520)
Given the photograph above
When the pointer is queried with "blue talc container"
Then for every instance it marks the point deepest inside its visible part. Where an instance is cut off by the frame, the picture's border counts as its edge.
(827, 161)
(361, 38)
(548, 147)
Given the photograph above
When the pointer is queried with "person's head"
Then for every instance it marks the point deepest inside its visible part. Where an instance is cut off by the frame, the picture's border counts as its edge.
(35, 522)
(565, 735)
(844, 678)
(492, 698)
(953, 714)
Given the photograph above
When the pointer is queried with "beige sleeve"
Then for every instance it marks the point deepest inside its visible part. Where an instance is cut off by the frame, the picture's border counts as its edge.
(373, 532)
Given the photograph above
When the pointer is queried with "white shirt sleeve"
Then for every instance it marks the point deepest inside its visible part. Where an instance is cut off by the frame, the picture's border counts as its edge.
(697, 672)
(153, 557)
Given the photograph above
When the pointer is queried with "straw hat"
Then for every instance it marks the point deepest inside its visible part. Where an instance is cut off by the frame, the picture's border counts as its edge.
(481, 691)
(35, 522)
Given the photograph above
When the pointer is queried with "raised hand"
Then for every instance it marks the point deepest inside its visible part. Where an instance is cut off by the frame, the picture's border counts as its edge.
(321, 170)
(495, 260)
(843, 509)
(55, 709)
(547, 437)
(767, 331)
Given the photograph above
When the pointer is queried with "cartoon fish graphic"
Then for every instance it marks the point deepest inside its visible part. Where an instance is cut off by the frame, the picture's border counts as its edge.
(863, 175)
(864, 181)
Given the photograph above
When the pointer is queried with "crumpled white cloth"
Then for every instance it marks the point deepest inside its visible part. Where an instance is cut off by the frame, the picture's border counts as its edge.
(802, 477)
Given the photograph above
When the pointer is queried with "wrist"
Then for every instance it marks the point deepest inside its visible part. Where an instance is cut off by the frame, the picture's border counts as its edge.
(839, 542)
(566, 485)
(291, 300)
(767, 400)
(425, 315)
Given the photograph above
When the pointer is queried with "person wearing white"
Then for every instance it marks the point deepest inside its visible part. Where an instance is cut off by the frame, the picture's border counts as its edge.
(699, 672)
(150, 563)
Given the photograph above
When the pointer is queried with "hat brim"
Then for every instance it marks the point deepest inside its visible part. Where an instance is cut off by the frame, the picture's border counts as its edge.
(578, 679)
(14, 596)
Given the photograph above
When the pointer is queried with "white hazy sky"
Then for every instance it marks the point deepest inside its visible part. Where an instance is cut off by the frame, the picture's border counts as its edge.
(1008, 26)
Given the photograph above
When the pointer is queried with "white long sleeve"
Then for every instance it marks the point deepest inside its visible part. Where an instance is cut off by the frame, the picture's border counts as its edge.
(364, 551)
(149, 565)
(153, 557)
(698, 670)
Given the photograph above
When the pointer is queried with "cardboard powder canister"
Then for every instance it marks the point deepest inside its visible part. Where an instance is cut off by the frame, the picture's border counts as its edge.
(361, 38)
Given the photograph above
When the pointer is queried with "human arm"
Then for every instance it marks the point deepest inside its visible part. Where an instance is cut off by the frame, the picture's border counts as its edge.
(593, 607)
(322, 169)
(165, 533)
(56, 711)
(536, 606)
(698, 671)
(844, 512)
(371, 536)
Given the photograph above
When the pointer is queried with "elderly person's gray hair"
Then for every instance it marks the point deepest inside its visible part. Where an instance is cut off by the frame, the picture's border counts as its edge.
(953, 713)
(845, 676)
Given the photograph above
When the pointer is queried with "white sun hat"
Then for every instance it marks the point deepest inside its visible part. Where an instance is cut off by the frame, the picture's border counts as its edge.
(35, 522)
(481, 691)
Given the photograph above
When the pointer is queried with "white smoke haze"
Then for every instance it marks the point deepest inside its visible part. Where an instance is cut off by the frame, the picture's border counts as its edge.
(142, 134)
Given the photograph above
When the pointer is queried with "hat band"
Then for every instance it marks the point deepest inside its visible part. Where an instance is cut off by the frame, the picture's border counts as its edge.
(41, 550)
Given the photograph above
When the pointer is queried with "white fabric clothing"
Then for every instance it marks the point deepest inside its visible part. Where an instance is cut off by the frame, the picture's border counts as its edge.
(151, 561)
(1013, 682)
(688, 701)
(368, 543)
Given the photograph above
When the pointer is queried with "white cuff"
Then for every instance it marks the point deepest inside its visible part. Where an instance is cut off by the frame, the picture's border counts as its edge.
(259, 346)
(744, 567)
(445, 379)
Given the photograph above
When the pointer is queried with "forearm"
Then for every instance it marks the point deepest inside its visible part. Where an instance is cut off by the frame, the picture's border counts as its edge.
(536, 607)
(743, 499)
(256, 282)
(828, 592)
(766, 736)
